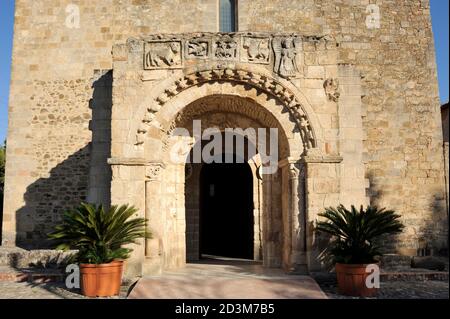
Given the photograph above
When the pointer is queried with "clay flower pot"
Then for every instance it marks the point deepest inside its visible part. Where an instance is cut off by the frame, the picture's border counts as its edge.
(102, 280)
(351, 280)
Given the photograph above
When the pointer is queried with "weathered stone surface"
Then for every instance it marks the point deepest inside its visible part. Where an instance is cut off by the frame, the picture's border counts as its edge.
(21, 258)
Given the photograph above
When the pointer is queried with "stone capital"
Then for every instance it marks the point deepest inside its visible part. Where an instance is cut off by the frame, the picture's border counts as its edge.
(153, 171)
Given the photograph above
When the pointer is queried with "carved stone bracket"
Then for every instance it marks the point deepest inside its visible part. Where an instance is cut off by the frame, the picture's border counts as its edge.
(331, 87)
(264, 83)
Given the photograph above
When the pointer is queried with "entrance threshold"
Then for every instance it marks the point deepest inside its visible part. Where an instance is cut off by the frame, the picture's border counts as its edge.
(216, 277)
(220, 260)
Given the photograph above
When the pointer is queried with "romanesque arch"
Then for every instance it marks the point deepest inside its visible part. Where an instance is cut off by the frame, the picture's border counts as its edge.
(258, 85)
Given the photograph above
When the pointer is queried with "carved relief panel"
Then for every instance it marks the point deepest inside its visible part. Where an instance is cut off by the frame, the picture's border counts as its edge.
(331, 87)
(197, 48)
(255, 50)
(225, 47)
(286, 50)
(283, 54)
(162, 54)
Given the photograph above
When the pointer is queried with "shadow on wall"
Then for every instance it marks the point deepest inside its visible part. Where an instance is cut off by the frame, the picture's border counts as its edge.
(83, 176)
(430, 236)
(433, 240)
(376, 193)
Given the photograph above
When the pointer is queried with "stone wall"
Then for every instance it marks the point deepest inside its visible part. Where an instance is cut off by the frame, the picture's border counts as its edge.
(55, 93)
(49, 154)
(403, 140)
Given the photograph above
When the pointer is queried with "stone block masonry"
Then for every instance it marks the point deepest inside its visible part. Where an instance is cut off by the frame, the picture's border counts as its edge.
(370, 88)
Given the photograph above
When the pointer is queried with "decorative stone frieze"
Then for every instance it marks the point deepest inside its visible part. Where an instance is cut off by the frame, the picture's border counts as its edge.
(255, 49)
(281, 51)
(162, 54)
(225, 47)
(286, 50)
(197, 48)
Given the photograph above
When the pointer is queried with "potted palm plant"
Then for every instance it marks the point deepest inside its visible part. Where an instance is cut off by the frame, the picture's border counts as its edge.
(353, 246)
(99, 236)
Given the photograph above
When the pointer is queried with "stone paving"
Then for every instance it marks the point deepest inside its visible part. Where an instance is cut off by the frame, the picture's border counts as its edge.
(389, 290)
(231, 280)
(412, 289)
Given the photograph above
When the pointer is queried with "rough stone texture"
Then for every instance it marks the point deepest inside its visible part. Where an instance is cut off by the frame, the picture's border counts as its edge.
(445, 111)
(21, 258)
(369, 97)
(392, 262)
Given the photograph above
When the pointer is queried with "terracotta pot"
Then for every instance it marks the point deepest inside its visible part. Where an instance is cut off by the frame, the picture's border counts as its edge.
(101, 280)
(351, 280)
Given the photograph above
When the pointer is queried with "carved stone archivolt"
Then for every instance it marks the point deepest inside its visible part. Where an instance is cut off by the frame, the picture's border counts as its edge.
(263, 83)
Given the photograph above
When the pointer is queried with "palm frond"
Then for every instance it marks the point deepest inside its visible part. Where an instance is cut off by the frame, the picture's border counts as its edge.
(354, 231)
(98, 234)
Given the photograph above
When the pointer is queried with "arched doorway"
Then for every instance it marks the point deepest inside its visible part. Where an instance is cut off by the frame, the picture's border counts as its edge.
(275, 195)
(222, 197)
(226, 210)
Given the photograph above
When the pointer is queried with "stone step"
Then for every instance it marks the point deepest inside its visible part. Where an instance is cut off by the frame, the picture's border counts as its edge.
(418, 275)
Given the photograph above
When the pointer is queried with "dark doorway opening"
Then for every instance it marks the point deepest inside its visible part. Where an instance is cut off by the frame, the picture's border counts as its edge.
(226, 210)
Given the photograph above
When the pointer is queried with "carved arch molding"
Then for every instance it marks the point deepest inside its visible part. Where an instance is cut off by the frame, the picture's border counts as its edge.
(263, 83)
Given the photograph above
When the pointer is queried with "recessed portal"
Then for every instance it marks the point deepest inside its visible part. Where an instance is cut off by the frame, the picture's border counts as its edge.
(226, 210)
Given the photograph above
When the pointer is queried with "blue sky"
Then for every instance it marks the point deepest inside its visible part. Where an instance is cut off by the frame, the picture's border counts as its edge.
(439, 13)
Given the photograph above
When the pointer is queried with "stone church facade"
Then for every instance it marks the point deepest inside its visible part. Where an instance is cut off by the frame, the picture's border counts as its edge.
(350, 86)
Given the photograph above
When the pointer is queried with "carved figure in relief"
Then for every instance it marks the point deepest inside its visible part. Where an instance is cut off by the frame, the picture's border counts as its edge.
(285, 57)
(257, 49)
(331, 87)
(163, 55)
(307, 137)
(197, 49)
(226, 49)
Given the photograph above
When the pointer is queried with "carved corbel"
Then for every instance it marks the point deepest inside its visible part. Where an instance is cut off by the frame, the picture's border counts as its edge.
(331, 87)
